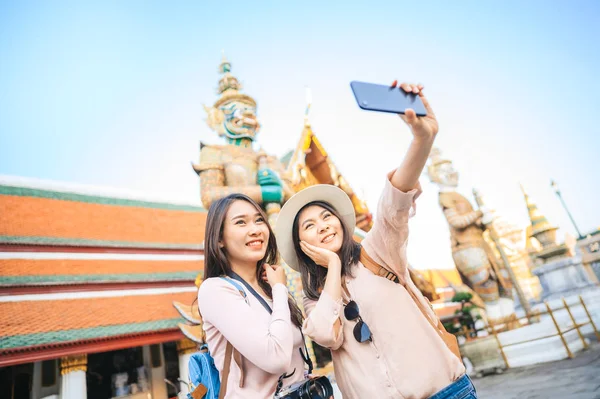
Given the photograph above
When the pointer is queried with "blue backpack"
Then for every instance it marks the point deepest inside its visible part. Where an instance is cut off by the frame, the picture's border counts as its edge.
(203, 375)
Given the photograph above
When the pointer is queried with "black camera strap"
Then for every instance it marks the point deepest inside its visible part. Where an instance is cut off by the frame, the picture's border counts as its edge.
(263, 302)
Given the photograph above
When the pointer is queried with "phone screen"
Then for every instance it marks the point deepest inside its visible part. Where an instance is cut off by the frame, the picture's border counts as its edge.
(381, 98)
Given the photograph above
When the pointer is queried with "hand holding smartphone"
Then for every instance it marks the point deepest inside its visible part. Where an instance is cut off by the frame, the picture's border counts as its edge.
(421, 118)
(382, 98)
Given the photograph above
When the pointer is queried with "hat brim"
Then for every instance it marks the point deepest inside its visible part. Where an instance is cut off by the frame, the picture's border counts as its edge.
(285, 221)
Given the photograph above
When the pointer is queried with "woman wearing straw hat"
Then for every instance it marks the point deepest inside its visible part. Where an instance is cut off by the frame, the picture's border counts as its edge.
(386, 342)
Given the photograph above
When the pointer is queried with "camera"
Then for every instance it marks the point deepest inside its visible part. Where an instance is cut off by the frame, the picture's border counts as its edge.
(317, 387)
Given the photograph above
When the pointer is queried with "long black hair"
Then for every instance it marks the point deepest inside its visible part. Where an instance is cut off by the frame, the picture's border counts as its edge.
(216, 262)
(313, 275)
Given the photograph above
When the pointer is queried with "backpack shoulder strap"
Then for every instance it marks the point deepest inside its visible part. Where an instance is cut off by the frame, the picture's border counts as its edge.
(231, 352)
(376, 268)
(226, 367)
(236, 285)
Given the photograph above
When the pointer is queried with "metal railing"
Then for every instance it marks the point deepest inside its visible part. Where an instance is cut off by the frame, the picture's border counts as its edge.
(493, 329)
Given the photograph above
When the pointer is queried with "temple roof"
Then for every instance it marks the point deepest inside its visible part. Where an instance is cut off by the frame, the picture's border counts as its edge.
(310, 164)
(37, 323)
(87, 269)
(34, 215)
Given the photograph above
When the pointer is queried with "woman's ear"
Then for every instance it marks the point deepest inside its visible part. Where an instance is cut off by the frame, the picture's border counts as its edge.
(221, 245)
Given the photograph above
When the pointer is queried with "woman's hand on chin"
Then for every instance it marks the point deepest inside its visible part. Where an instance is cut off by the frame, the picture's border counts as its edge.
(321, 256)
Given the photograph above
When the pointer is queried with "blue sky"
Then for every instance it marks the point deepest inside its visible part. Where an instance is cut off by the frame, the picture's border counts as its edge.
(110, 93)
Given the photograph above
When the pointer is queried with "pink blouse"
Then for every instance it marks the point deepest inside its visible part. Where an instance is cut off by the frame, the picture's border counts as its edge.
(407, 358)
(269, 343)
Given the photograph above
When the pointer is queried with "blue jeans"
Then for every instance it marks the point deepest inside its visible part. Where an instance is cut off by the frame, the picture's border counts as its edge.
(460, 389)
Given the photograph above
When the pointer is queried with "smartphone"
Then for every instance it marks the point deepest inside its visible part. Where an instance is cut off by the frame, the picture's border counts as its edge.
(382, 98)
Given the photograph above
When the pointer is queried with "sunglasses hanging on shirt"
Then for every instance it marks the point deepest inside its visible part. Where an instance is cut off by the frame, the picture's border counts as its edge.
(362, 332)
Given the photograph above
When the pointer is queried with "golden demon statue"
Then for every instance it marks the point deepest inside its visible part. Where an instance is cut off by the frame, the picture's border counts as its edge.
(474, 258)
(235, 167)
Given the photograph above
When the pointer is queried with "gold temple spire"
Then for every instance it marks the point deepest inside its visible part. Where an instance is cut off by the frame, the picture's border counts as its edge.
(541, 229)
(539, 223)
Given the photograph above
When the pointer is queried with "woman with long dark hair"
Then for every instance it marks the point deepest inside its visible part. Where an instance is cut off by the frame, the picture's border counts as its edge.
(385, 339)
(240, 244)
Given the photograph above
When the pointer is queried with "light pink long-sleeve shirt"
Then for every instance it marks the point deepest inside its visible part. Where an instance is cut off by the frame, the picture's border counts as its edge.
(407, 358)
(269, 343)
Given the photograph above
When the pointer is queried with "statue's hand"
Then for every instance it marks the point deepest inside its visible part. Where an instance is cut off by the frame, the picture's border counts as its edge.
(270, 185)
(487, 218)
(268, 177)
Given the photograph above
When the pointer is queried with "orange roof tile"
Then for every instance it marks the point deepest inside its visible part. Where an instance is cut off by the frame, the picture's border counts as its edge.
(41, 267)
(30, 317)
(43, 217)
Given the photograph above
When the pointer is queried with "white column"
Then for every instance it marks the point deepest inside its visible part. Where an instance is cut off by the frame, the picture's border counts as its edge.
(185, 348)
(73, 369)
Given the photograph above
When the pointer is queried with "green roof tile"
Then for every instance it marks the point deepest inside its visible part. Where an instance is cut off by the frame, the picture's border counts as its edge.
(18, 341)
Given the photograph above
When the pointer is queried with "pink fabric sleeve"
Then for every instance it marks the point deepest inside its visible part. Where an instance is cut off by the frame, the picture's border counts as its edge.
(268, 347)
(321, 316)
(387, 239)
